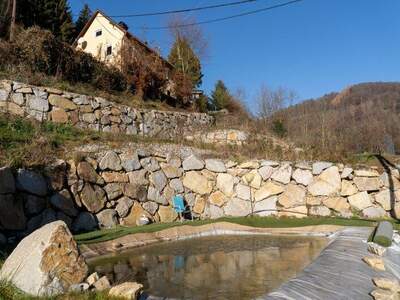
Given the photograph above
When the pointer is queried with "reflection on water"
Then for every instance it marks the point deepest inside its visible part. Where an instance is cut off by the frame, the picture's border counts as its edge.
(229, 267)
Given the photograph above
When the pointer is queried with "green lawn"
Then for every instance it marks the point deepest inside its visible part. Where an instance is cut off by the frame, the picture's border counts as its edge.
(261, 222)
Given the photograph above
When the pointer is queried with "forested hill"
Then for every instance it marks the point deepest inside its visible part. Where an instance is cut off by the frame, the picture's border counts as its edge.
(363, 117)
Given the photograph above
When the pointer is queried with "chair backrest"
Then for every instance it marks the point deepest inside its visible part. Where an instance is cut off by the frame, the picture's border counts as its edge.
(179, 205)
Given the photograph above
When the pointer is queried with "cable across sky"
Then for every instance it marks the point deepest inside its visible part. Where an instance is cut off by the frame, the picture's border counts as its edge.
(168, 12)
(252, 12)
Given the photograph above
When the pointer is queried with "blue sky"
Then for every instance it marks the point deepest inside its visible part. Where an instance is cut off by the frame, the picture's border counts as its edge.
(312, 47)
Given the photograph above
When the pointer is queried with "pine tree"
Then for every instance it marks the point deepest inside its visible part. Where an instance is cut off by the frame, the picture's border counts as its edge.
(84, 17)
(220, 97)
(53, 15)
(183, 58)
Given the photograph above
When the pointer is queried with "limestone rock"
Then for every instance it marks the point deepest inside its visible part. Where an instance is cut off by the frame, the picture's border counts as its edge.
(107, 218)
(171, 171)
(338, 204)
(177, 185)
(150, 164)
(7, 183)
(360, 201)
(215, 165)
(192, 163)
(136, 214)
(384, 198)
(294, 212)
(126, 290)
(375, 262)
(159, 180)
(63, 201)
(31, 267)
(282, 174)
(346, 173)
(331, 176)
(327, 184)
(93, 197)
(374, 212)
(130, 161)
(386, 284)
(123, 206)
(88, 174)
(167, 214)
(134, 191)
(217, 198)
(366, 173)
(31, 182)
(199, 205)
(294, 195)
(37, 103)
(110, 161)
(266, 207)
(12, 215)
(150, 207)
(376, 249)
(155, 195)
(249, 165)
(197, 183)
(216, 212)
(115, 177)
(267, 190)
(381, 294)
(61, 102)
(312, 201)
(225, 183)
(113, 190)
(237, 208)
(367, 183)
(320, 166)
(84, 222)
(320, 211)
(243, 191)
(102, 284)
(303, 177)
(266, 172)
(348, 189)
(253, 179)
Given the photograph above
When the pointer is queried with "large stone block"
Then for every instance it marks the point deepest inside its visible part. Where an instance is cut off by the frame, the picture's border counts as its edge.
(12, 215)
(197, 183)
(61, 102)
(360, 201)
(93, 197)
(45, 263)
(7, 182)
(237, 208)
(267, 190)
(31, 182)
(293, 195)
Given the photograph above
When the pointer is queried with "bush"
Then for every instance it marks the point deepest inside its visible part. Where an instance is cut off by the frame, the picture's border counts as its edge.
(278, 127)
(38, 51)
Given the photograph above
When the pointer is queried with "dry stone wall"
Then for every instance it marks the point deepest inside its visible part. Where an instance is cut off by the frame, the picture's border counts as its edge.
(135, 187)
(43, 103)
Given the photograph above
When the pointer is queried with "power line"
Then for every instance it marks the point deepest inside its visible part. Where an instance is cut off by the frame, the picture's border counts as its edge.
(252, 12)
(168, 12)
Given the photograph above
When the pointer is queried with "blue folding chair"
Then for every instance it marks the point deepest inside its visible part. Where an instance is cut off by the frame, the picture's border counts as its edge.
(180, 207)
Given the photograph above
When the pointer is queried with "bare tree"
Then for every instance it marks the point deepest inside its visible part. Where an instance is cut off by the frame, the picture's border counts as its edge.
(270, 101)
(193, 34)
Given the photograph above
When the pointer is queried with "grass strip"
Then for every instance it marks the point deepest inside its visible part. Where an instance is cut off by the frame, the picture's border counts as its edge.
(258, 222)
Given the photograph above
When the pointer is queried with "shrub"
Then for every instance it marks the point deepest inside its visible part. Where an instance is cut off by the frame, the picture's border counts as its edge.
(37, 51)
(278, 127)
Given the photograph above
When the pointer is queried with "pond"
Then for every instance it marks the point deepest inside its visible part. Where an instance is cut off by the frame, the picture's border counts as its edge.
(219, 267)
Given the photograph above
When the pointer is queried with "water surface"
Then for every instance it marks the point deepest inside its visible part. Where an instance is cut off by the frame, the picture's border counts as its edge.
(223, 267)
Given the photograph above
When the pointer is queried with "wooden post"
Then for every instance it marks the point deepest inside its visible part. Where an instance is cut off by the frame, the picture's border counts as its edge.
(13, 16)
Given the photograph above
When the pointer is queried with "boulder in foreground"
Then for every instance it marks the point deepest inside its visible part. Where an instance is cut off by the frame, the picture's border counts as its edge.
(45, 263)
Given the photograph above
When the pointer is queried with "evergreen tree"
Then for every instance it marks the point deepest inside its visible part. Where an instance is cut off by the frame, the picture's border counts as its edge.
(220, 97)
(53, 15)
(84, 17)
(183, 58)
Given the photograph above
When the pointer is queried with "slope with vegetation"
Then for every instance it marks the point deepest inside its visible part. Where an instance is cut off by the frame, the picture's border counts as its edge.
(362, 118)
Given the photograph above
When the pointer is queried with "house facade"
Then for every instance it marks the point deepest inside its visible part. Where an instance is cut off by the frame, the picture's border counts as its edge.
(106, 39)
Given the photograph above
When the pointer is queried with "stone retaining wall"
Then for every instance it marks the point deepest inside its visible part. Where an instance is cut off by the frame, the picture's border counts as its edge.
(43, 103)
(133, 187)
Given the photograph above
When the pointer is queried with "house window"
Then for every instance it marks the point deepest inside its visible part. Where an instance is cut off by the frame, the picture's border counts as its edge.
(109, 50)
(99, 32)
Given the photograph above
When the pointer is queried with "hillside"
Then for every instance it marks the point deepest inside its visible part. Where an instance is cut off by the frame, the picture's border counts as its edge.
(361, 118)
